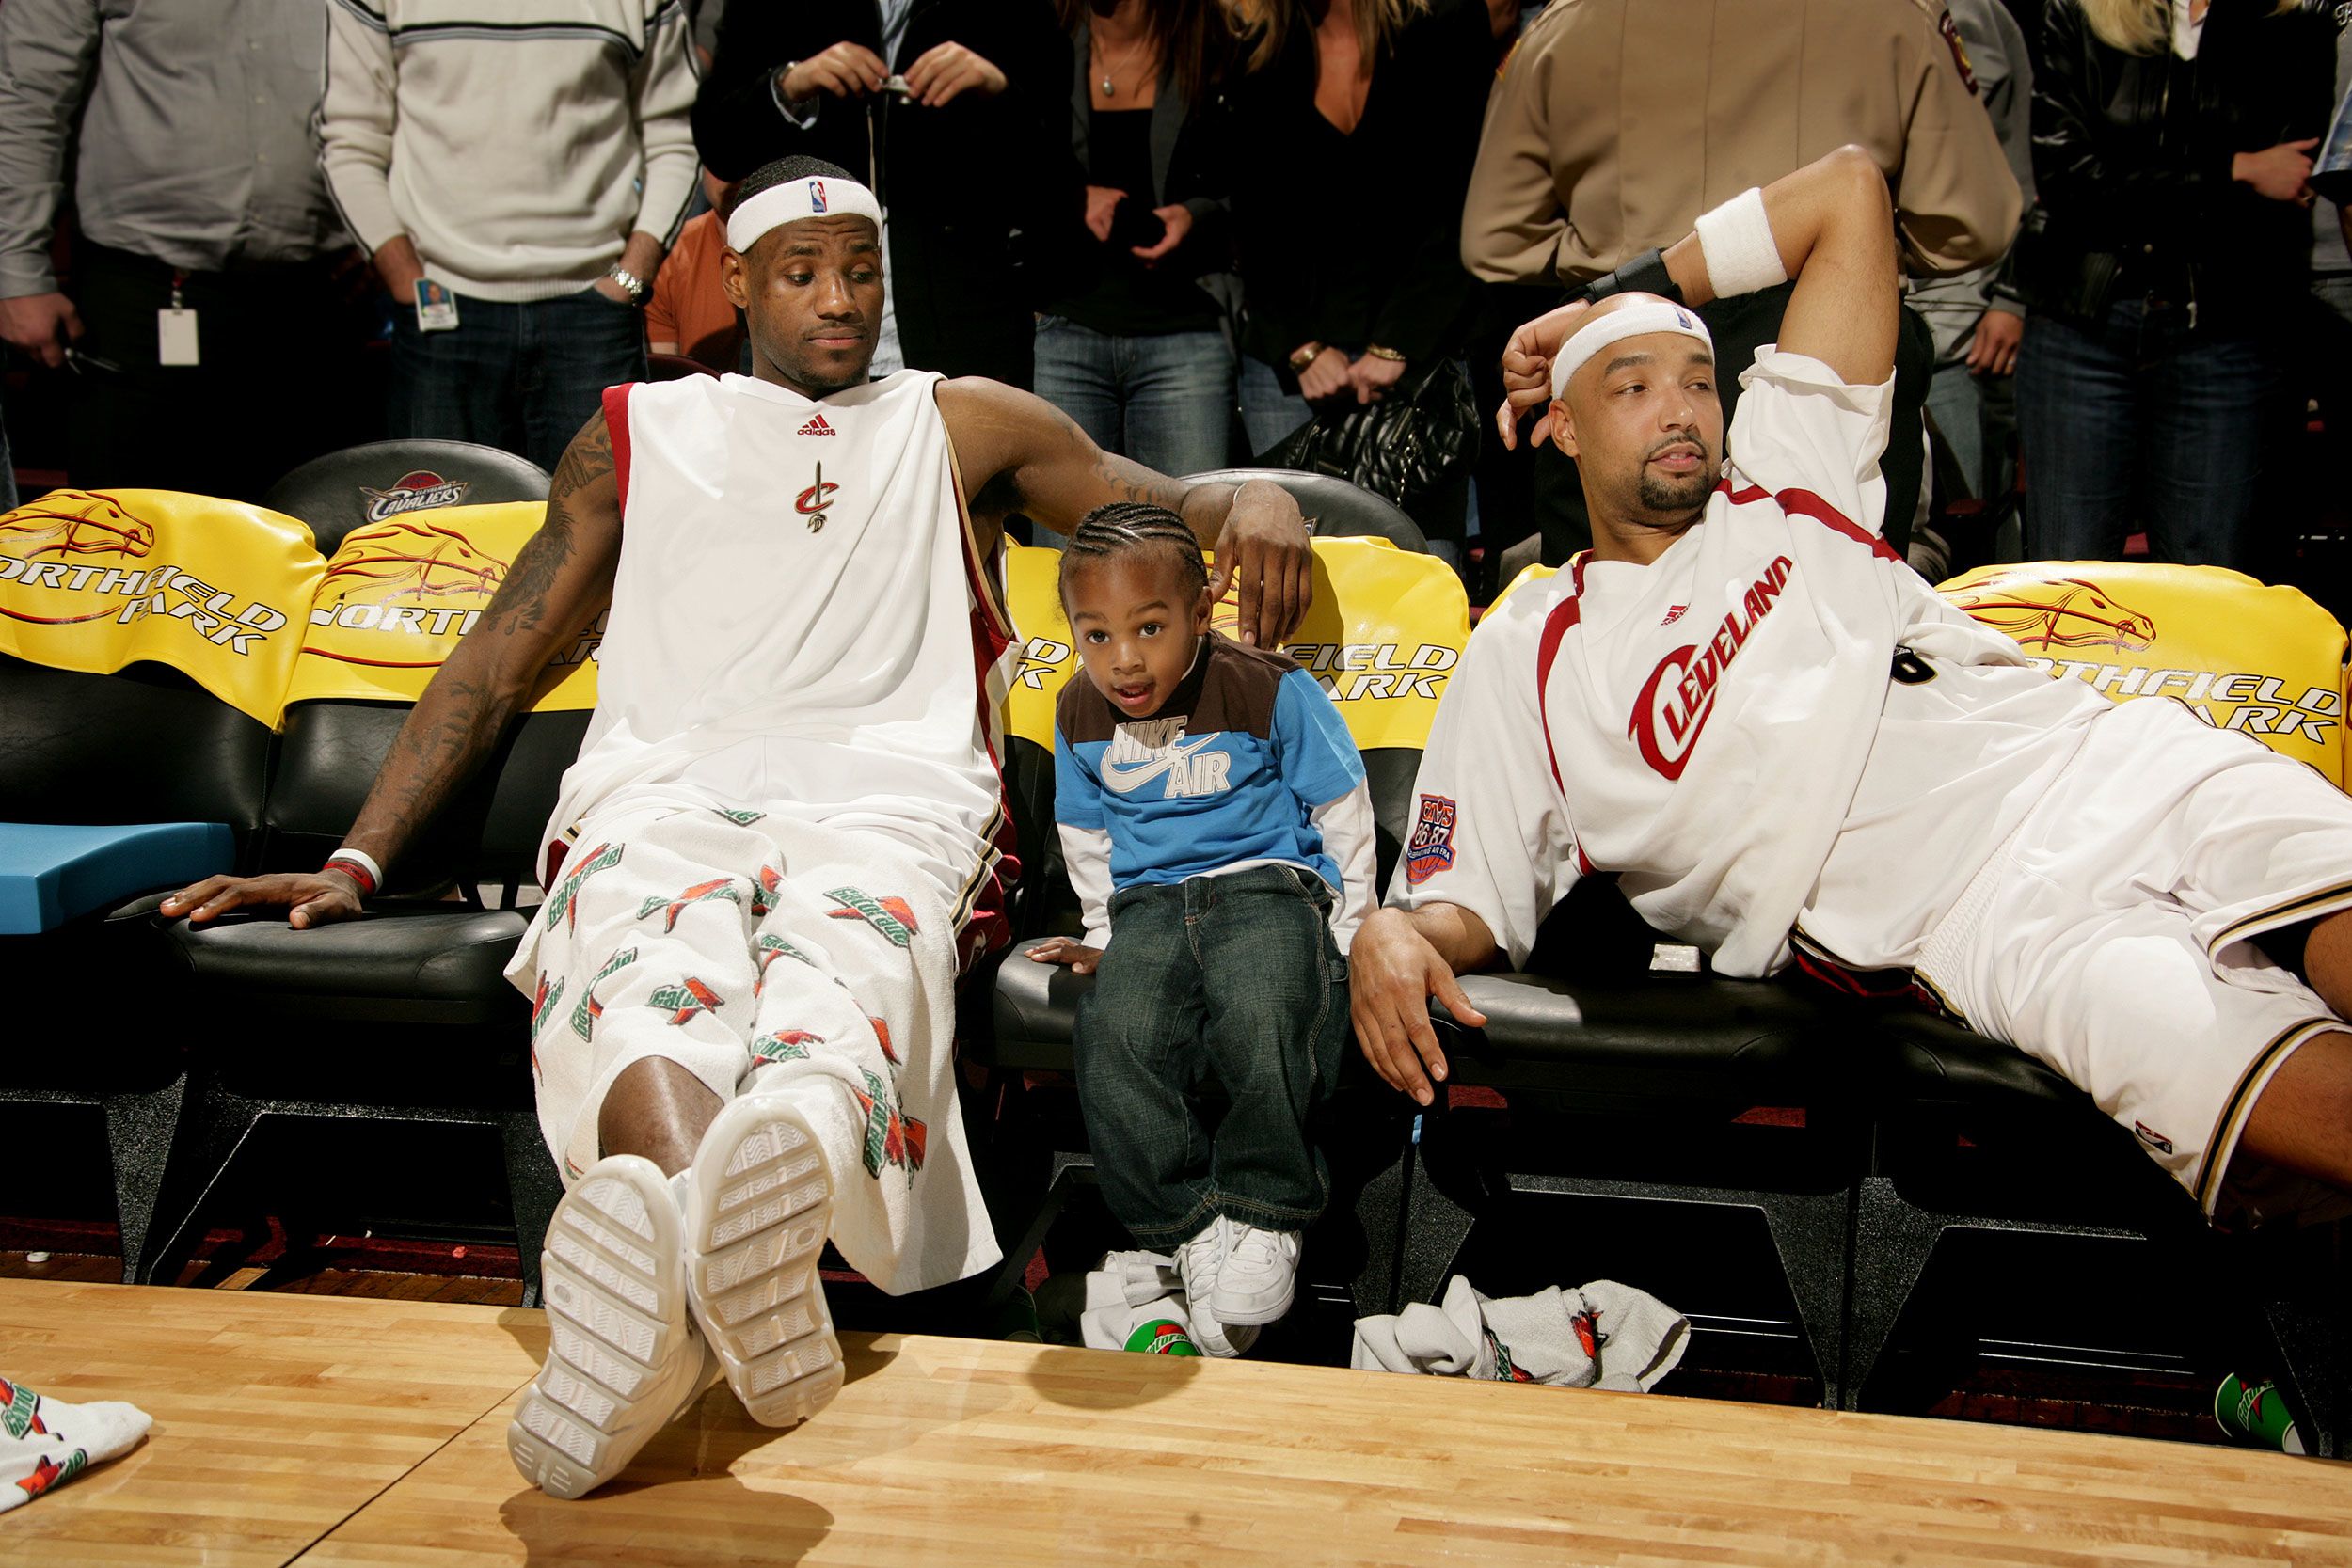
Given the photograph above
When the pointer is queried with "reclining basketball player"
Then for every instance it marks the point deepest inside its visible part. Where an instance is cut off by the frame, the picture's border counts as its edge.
(1788, 748)
(780, 838)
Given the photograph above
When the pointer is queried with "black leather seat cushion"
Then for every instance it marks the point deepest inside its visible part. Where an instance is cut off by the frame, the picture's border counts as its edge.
(1036, 1012)
(1339, 509)
(1920, 1057)
(435, 965)
(146, 744)
(330, 493)
(1646, 1034)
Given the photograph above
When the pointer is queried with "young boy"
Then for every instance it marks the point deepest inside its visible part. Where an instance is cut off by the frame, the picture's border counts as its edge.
(1219, 835)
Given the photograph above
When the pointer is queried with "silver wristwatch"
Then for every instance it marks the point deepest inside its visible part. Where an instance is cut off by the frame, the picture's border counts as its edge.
(630, 283)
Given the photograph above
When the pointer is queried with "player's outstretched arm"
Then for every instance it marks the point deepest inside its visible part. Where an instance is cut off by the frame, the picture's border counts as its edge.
(1832, 227)
(1020, 454)
(560, 579)
(1399, 960)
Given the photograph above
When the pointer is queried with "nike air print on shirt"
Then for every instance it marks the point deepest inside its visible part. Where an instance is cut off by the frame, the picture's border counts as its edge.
(1228, 772)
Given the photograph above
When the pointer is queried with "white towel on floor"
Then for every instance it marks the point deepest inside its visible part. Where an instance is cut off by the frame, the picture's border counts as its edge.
(46, 1442)
(1127, 1289)
(1603, 1335)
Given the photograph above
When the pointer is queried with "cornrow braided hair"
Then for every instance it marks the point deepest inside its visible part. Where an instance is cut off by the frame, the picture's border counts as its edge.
(1132, 525)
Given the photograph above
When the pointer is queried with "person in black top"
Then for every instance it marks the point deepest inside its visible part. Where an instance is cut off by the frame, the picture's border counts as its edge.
(953, 111)
(1136, 345)
(1352, 130)
(2171, 148)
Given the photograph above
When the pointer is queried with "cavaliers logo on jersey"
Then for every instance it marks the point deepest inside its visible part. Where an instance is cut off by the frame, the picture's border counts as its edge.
(2070, 612)
(1430, 850)
(893, 917)
(811, 503)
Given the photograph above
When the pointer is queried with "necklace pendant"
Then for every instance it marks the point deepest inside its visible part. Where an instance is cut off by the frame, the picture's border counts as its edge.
(1108, 91)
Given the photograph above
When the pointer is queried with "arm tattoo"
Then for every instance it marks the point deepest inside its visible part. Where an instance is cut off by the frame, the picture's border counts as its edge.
(457, 722)
(521, 601)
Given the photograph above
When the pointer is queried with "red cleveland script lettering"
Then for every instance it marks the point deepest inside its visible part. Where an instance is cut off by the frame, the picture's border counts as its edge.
(1679, 696)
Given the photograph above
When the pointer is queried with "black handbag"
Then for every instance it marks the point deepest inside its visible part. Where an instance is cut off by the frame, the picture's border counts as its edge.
(1405, 447)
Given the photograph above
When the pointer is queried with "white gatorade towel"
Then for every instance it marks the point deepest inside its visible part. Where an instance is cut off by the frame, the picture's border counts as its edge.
(753, 948)
(46, 1442)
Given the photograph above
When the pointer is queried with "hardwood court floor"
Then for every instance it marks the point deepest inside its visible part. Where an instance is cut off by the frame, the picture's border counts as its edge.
(348, 1432)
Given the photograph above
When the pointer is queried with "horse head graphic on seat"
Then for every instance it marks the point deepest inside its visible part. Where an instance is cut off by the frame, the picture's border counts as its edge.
(403, 561)
(74, 522)
(2061, 612)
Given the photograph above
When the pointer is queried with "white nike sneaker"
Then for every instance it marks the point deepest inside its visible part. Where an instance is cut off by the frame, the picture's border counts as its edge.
(624, 1357)
(1198, 1263)
(759, 1201)
(1258, 1277)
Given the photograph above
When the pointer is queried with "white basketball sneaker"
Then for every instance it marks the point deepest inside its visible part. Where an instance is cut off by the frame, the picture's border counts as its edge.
(759, 1200)
(1197, 1264)
(624, 1357)
(1258, 1274)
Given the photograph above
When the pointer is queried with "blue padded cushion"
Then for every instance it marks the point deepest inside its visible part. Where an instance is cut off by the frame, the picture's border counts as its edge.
(49, 875)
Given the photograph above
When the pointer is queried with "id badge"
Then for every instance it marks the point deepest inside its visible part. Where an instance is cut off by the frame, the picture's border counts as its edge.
(436, 308)
(175, 337)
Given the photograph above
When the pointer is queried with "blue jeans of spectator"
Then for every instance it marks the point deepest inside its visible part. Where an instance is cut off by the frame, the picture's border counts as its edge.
(1269, 411)
(1233, 979)
(1165, 400)
(520, 377)
(2139, 421)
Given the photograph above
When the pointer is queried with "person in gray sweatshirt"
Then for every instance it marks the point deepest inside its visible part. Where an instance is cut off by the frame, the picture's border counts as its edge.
(517, 172)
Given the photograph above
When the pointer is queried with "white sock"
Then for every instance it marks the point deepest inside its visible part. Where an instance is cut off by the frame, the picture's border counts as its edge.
(46, 1442)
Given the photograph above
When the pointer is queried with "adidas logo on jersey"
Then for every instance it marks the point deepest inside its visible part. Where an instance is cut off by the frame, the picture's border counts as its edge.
(1673, 614)
(816, 427)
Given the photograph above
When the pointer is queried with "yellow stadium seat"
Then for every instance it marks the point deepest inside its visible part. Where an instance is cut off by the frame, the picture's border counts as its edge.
(2240, 655)
(398, 594)
(94, 580)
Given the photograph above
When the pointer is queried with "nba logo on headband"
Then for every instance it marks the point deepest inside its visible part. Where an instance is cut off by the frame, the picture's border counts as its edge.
(816, 196)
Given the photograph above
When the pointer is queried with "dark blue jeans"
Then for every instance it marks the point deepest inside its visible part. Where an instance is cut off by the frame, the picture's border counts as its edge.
(1165, 400)
(2139, 421)
(1231, 977)
(522, 378)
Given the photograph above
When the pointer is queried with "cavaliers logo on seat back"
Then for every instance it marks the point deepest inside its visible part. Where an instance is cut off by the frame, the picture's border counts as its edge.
(419, 491)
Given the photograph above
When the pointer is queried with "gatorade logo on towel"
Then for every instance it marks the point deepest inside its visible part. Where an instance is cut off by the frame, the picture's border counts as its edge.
(97, 580)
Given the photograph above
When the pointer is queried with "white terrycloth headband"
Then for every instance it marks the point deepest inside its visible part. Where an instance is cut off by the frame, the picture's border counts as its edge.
(1631, 322)
(795, 199)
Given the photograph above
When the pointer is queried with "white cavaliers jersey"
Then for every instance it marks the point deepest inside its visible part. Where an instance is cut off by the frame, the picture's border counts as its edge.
(1774, 728)
(800, 623)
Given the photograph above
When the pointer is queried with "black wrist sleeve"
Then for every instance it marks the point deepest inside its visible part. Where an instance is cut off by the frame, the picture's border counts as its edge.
(1644, 274)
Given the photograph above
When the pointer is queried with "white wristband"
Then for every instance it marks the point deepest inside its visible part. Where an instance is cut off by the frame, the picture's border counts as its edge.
(1736, 241)
(361, 859)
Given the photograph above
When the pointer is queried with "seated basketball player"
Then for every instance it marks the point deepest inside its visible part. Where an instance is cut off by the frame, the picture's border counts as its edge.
(780, 835)
(1788, 746)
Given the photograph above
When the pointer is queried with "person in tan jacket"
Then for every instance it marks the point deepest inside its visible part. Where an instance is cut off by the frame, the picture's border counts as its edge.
(1617, 122)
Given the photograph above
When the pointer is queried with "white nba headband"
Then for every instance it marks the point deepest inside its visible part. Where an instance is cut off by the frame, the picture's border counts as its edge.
(795, 199)
(1632, 322)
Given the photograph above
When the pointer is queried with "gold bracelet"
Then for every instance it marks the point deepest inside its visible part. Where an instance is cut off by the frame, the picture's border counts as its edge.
(1388, 354)
(1306, 357)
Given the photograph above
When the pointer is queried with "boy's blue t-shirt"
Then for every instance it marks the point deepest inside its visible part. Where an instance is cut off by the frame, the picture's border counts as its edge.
(1228, 769)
